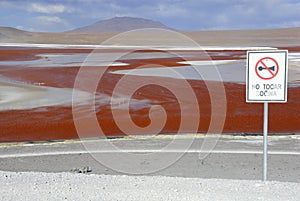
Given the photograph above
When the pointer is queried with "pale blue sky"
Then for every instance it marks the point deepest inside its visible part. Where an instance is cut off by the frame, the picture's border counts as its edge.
(59, 15)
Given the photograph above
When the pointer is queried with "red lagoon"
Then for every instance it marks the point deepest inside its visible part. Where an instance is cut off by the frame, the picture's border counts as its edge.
(38, 69)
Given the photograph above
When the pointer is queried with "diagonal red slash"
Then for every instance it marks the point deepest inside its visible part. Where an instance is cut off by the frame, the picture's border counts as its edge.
(267, 68)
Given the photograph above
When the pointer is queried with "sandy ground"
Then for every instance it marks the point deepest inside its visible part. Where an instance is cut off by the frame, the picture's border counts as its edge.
(232, 170)
(68, 186)
(231, 37)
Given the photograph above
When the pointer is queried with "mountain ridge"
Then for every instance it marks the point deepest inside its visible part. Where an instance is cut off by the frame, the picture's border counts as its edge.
(120, 24)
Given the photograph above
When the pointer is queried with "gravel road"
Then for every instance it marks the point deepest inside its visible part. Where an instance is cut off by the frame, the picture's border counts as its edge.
(232, 170)
(71, 186)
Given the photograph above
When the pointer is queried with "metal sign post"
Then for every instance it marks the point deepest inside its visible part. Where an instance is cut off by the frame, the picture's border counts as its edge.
(266, 81)
(265, 169)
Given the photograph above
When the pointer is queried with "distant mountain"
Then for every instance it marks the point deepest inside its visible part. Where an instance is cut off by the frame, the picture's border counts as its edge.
(9, 32)
(120, 24)
(12, 31)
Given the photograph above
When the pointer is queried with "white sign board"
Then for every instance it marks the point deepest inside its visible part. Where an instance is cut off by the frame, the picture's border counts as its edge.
(266, 79)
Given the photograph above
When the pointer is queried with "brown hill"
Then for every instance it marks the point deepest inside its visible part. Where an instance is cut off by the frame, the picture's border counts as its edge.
(12, 32)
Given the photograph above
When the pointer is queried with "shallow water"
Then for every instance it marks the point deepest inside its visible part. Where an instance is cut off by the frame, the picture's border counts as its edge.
(142, 92)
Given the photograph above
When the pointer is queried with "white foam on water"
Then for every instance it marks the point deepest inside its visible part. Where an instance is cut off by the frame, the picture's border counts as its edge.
(206, 62)
(86, 59)
(222, 70)
(294, 58)
(294, 55)
(69, 60)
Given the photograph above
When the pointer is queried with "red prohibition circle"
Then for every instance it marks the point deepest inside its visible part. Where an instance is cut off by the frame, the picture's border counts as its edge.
(261, 62)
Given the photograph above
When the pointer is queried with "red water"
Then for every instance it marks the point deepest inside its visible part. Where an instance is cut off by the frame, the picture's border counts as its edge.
(53, 123)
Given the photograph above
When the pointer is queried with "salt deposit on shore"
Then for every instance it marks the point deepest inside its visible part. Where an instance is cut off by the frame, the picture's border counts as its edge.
(20, 96)
(135, 47)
